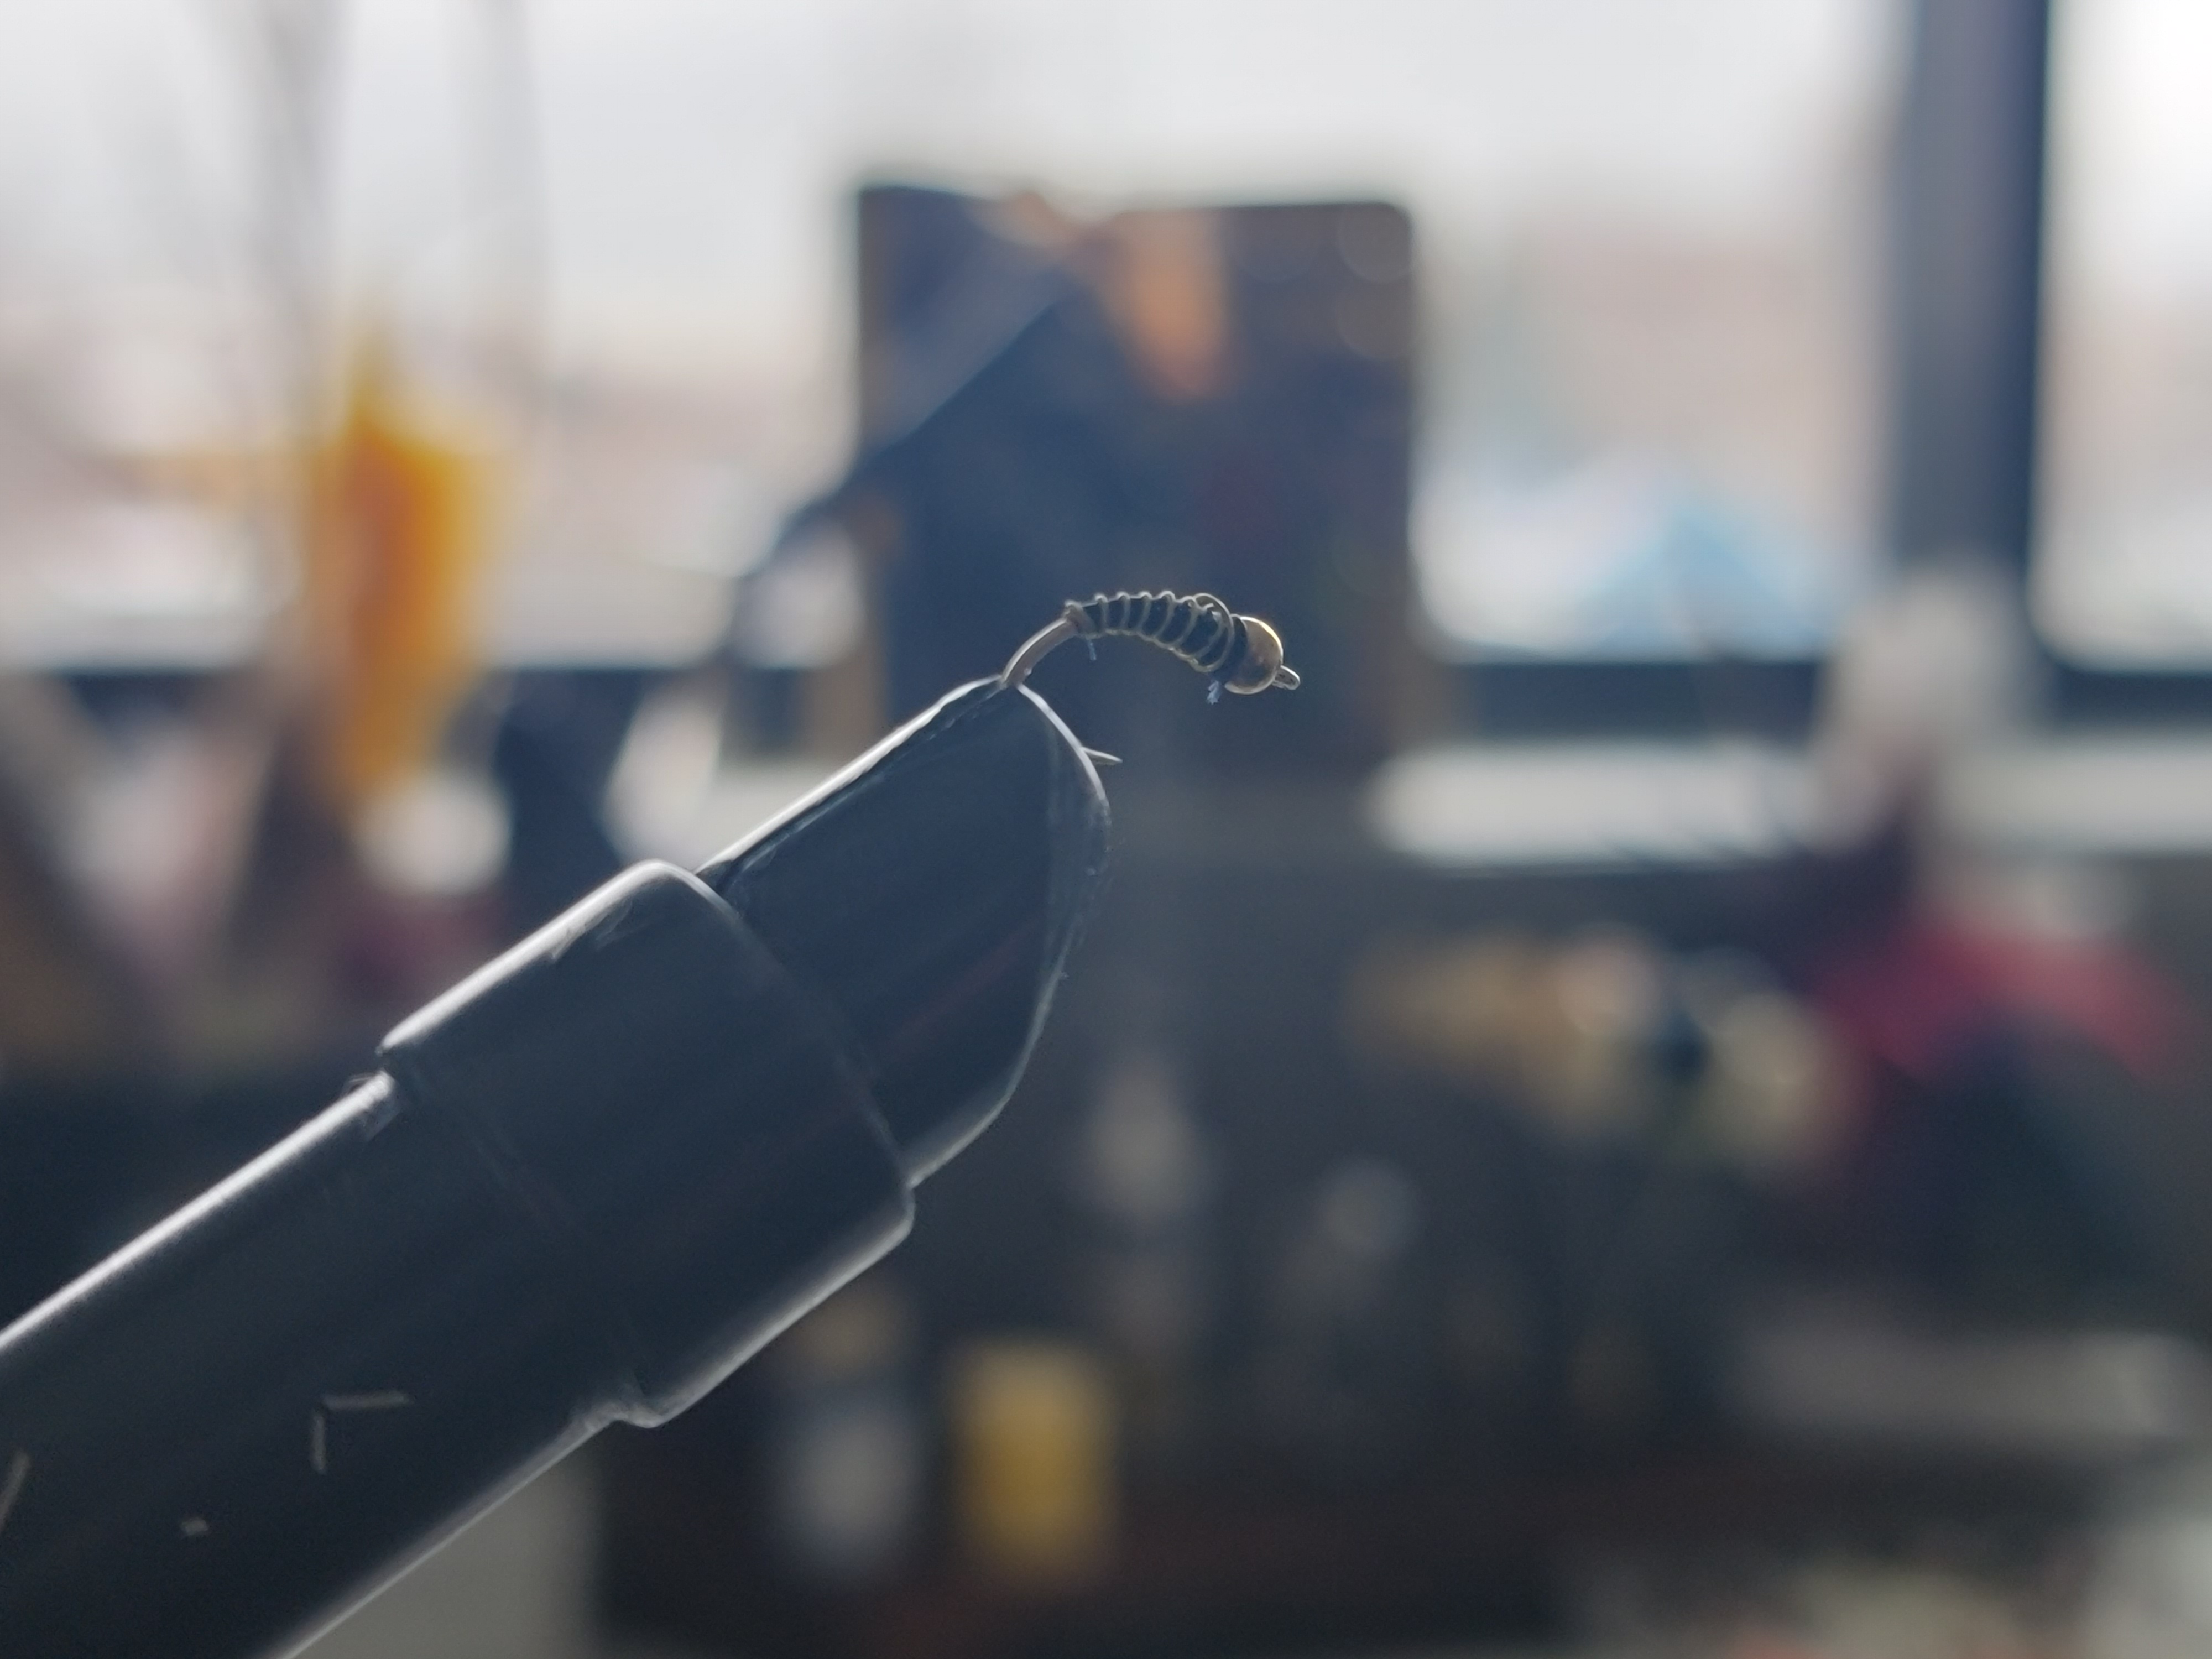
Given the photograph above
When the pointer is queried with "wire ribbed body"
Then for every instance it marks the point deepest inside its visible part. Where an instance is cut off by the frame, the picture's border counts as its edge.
(1199, 628)
(1238, 654)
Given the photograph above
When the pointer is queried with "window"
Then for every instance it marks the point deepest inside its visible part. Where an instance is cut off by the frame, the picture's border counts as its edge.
(2123, 575)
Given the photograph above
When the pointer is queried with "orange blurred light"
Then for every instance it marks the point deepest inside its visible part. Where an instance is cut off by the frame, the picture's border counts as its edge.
(398, 530)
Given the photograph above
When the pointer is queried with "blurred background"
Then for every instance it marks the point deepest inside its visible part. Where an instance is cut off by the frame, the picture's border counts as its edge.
(1658, 1106)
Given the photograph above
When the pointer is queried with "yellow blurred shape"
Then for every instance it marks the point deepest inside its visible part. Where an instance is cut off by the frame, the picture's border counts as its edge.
(1033, 1481)
(397, 529)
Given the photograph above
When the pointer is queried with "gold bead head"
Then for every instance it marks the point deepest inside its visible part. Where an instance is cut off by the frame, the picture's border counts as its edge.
(1263, 664)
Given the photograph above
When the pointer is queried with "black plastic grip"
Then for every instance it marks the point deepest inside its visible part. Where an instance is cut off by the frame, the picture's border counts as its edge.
(594, 1178)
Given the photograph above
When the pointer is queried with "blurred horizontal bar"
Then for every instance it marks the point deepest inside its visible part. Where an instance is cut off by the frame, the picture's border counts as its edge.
(1591, 803)
(1604, 804)
(1840, 1375)
(2087, 795)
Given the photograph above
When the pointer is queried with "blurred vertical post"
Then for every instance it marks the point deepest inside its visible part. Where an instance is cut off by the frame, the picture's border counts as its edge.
(1967, 264)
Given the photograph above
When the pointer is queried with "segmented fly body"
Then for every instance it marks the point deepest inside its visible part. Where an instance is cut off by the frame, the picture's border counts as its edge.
(1236, 653)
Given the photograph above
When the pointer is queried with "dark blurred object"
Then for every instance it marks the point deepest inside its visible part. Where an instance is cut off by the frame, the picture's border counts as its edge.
(1194, 399)
(557, 745)
(2006, 1146)
(1972, 349)
(1723, 696)
(69, 1008)
(1967, 283)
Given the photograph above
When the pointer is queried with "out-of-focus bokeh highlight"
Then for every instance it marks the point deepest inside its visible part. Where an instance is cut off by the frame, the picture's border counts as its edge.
(2125, 579)
(1658, 1106)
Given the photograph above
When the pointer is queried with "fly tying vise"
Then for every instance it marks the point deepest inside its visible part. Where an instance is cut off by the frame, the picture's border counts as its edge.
(1241, 654)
